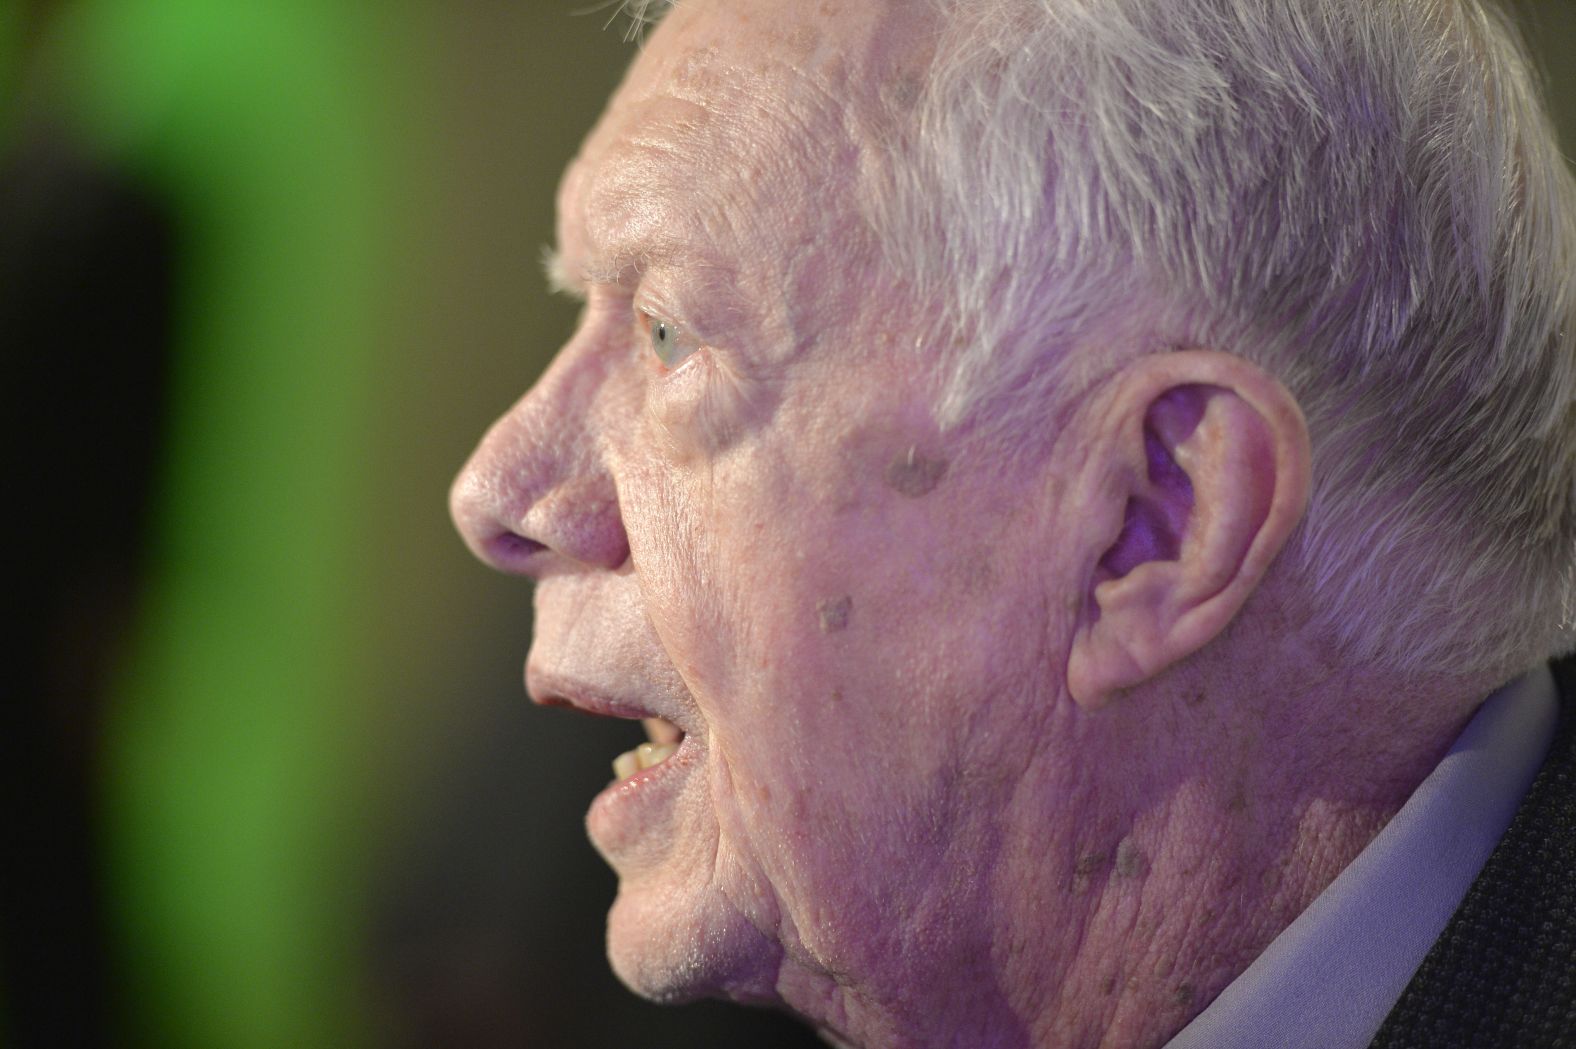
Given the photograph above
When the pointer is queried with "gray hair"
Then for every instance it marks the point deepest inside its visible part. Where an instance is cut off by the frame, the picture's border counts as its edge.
(1362, 196)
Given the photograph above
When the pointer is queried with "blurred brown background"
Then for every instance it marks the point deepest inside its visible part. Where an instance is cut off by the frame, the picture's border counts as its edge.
(266, 272)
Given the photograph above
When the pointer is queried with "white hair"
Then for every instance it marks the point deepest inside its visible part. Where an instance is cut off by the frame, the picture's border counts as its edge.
(1362, 196)
(638, 14)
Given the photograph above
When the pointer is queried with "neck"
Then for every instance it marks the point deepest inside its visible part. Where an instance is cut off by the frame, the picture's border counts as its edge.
(1230, 803)
(1221, 807)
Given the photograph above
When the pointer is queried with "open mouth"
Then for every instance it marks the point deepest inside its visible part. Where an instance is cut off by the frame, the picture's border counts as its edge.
(663, 741)
(663, 738)
(636, 810)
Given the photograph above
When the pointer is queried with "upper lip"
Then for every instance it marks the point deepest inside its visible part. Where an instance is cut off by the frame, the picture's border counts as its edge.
(553, 690)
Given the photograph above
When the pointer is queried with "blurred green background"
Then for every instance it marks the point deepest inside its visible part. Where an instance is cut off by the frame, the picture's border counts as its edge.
(268, 271)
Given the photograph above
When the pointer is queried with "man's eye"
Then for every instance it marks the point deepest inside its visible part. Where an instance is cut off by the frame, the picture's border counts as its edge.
(669, 343)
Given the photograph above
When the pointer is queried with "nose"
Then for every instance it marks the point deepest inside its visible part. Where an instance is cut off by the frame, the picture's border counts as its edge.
(537, 493)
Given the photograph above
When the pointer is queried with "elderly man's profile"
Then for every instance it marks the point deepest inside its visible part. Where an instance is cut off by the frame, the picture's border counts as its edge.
(1082, 494)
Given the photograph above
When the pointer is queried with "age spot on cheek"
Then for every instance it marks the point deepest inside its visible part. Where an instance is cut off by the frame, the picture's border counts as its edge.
(913, 475)
(834, 612)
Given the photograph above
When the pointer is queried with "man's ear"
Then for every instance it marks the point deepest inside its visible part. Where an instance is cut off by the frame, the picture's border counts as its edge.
(1198, 472)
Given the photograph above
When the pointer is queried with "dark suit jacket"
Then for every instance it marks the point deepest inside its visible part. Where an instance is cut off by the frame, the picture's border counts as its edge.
(1503, 974)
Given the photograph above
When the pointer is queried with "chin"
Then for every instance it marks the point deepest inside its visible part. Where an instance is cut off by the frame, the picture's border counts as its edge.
(674, 944)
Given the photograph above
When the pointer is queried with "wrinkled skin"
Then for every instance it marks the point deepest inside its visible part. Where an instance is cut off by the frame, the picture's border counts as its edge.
(820, 826)
(886, 815)
(821, 829)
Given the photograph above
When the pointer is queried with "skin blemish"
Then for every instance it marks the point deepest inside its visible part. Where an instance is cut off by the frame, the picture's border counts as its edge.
(834, 612)
(1130, 860)
(1086, 868)
(1184, 995)
(899, 96)
(914, 475)
(1089, 862)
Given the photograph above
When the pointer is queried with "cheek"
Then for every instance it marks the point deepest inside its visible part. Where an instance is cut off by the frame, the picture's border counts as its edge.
(837, 647)
(842, 674)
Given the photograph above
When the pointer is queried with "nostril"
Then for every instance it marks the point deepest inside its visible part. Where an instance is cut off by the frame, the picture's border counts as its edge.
(510, 550)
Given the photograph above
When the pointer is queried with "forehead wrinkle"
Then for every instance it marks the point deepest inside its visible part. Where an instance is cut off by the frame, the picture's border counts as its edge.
(785, 181)
(734, 177)
(632, 211)
(633, 205)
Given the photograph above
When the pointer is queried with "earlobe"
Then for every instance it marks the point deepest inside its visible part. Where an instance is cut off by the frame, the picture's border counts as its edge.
(1210, 461)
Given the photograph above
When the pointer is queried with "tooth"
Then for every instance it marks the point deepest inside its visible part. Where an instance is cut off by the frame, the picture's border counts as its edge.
(626, 765)
(660, 730)
(649, 754)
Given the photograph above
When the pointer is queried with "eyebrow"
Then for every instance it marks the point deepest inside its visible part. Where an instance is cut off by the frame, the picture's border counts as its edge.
(561, 280)
(573, 278)
(642, 224)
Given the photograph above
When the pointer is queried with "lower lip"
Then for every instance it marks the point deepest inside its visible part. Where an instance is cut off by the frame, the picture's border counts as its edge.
(633, 807)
